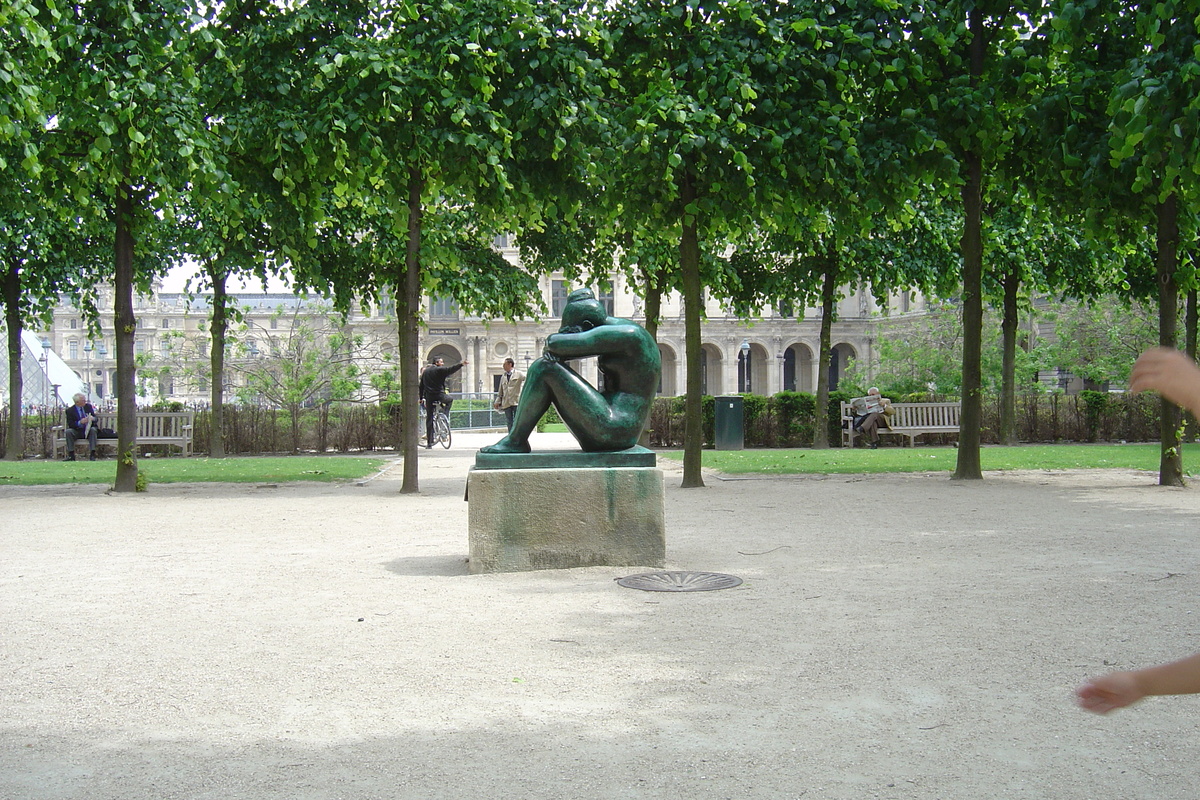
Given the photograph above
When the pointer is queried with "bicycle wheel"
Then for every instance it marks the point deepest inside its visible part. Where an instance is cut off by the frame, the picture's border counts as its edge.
(442, 429)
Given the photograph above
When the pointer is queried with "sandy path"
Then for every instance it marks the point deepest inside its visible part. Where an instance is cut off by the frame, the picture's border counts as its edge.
(895, 637)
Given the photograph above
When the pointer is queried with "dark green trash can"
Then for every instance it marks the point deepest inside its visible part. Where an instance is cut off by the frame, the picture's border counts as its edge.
(728, 422)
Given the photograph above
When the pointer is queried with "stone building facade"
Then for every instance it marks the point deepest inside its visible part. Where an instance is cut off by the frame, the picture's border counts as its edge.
(764, 355)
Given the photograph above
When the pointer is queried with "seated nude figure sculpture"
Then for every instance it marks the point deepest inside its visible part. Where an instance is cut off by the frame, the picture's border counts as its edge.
(602, 421)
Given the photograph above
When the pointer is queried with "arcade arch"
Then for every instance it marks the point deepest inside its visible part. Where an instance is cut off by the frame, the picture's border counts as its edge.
(670, 368)
(840, 357)
(799, 366)
(450, 355)
(753, 369)
(711, 373)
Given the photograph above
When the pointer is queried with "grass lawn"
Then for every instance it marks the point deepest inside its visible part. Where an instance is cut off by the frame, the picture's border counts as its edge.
(238, 469)
(936, 459)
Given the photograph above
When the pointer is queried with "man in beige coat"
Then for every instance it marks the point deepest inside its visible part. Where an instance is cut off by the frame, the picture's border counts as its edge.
(510, 391)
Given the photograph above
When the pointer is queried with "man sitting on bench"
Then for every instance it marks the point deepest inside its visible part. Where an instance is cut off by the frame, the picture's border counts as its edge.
(878, 409)
(81, 424)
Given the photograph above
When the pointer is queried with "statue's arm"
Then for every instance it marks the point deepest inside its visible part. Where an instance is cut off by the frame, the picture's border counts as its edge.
(601, 340)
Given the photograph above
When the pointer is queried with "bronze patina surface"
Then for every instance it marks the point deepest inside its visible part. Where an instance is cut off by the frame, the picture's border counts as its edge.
(602, 421)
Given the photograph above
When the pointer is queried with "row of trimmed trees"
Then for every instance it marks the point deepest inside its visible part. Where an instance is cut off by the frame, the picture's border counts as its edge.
(754, 150)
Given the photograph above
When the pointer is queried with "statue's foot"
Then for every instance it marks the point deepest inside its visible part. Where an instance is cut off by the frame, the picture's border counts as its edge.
(506, 445)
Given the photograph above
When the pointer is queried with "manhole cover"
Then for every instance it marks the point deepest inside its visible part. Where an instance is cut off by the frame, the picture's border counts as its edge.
(680, 581)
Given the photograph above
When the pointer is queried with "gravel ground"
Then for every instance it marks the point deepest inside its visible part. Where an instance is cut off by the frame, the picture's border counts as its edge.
(895, 637)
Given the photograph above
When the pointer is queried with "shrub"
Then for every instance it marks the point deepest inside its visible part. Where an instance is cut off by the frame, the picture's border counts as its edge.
(1094, 405)
(794, 415)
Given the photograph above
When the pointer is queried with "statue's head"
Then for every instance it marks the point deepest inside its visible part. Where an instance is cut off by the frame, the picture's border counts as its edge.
(582, 311)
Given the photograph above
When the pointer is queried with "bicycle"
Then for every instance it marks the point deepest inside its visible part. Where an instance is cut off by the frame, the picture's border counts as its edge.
(441, 427)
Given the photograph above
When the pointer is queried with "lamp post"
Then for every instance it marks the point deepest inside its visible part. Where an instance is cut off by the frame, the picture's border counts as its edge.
(87, 370)
(45, 370)
(101, 353)
(745, 348)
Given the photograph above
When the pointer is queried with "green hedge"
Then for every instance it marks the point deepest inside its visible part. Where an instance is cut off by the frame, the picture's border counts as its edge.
(787, 419)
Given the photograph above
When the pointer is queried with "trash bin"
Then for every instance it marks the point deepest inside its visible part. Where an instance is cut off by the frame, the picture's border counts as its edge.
(728, 423)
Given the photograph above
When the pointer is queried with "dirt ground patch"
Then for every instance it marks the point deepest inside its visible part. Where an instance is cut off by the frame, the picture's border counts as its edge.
(895, 637)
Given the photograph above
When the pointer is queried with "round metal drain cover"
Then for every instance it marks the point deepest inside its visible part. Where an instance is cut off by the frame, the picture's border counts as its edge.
(680, 581)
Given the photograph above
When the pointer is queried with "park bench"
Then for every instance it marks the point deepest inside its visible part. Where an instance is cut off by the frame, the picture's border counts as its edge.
(909, 419)
(173, 428)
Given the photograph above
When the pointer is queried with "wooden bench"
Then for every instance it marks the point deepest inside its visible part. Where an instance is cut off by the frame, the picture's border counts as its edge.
(909, 419)
(173, 428)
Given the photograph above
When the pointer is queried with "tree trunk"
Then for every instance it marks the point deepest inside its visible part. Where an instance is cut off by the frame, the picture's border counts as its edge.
(323, 427)
(653, 314)
(1170, 465)
(294, 410)
(653, 304)
(689, 265)
(409, 319)
(971, 416)
(1189, 345)
(1008, 377)
(824, 355)
(220, 323)
(124, 325)
(15, 449)
(1189, 325)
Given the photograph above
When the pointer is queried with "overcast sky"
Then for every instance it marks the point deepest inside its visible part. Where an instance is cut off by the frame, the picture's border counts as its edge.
(176, 278)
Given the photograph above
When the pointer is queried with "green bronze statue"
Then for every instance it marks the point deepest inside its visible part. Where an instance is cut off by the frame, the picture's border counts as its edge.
(603, 422)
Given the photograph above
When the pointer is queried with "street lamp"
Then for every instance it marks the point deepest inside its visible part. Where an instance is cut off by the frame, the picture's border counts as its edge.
(101, 353)
(87, 371)
(45, 370)
(745, 348)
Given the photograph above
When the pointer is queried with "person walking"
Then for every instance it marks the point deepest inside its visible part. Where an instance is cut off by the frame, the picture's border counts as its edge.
(510, 391)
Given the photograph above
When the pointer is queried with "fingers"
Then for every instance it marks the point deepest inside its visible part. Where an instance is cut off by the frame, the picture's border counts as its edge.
(1092, 699)
(1109, 692)
(1170, 373)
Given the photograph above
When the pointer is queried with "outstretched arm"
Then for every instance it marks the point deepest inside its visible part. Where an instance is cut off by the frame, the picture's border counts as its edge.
(1119, 689)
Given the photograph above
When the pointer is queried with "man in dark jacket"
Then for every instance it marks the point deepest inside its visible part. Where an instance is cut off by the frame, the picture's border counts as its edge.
(433, 392)
(81, 424)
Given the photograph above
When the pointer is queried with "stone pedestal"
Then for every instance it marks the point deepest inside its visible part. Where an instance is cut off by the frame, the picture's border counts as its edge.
(546, 517)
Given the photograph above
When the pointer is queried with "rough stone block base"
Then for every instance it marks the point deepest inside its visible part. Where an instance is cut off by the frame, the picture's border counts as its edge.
(527, 519)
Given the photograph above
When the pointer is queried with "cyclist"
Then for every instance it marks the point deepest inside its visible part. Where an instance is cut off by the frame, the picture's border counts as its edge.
(433, 392)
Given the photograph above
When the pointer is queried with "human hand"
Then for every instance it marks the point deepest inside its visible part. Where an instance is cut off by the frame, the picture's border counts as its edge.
(1109, 692)
(1169, 372)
